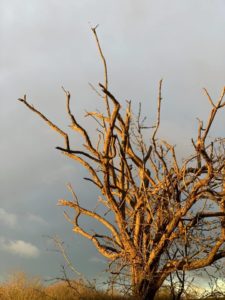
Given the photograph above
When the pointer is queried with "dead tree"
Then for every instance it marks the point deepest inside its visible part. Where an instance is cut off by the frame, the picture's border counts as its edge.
(168, 215)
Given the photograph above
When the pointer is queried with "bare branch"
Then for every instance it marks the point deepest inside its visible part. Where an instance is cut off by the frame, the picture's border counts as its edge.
(50, 124)
(105, 68)
(159, 110)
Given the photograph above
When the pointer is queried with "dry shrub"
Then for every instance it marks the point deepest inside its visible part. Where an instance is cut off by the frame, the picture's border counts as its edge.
(20, 287)
(78, 290)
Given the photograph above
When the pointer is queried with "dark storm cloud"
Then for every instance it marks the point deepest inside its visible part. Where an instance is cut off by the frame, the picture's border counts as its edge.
(48, 43)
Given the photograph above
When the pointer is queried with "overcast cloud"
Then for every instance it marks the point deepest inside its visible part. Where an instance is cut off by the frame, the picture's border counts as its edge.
(48, 43)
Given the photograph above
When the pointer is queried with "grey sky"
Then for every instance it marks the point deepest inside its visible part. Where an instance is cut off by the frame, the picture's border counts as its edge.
(48, 43)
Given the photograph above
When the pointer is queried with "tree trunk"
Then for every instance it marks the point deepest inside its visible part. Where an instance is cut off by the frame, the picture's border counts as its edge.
(147, 290)
(143, 288)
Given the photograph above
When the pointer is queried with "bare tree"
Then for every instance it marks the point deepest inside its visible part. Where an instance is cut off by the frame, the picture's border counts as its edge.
(169, 215)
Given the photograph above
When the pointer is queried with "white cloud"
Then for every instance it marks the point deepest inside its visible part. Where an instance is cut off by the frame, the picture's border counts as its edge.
(12, 220)
(36, 219)
(19, 247)
(7, 218)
